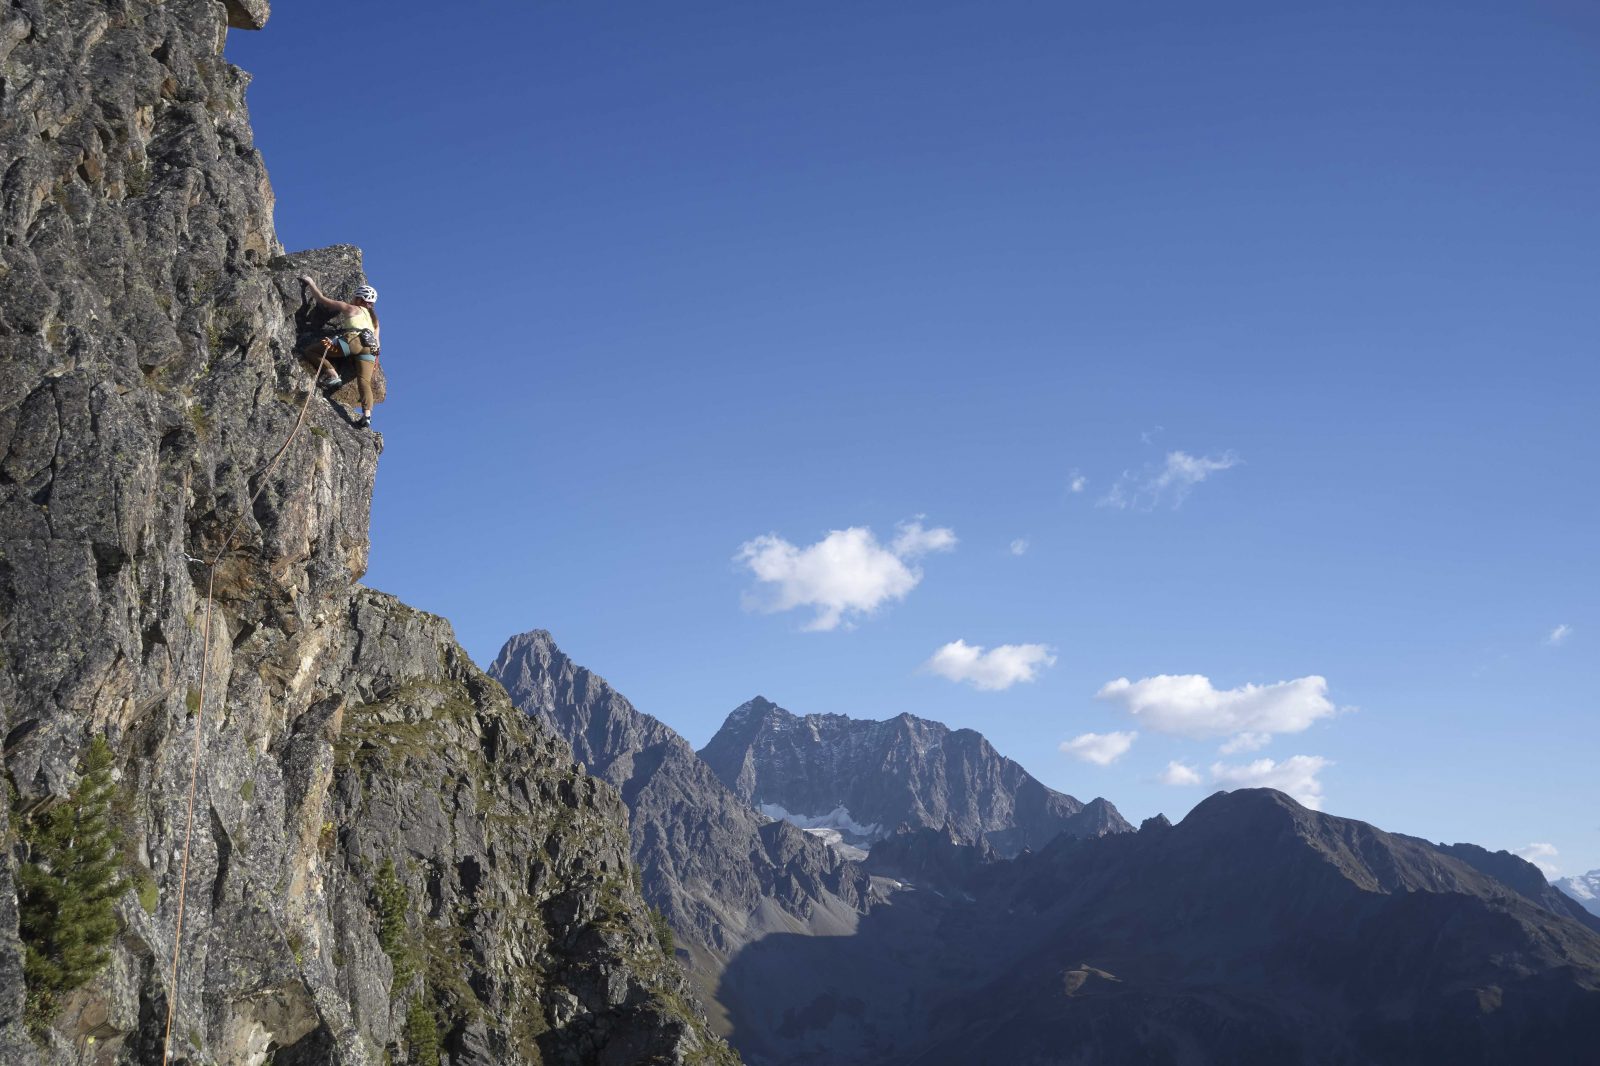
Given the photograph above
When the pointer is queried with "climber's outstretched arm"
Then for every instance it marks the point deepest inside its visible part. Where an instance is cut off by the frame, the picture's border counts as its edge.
(327, 303)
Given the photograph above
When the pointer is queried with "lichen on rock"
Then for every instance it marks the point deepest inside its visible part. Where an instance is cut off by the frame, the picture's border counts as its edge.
(147, 378)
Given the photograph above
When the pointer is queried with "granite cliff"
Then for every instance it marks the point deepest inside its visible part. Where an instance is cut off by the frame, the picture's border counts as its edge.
(388, 861)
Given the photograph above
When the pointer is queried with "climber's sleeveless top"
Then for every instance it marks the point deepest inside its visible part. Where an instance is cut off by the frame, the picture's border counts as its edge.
(359, 318)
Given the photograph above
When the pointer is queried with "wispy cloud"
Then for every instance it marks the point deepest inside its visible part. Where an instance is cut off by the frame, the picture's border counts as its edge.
(1166, 483)
(1558, 636)
(1189, 705)
(1076, 482)
(912, 540)
(1102, 749)
(1178, 773)
(1019, 546)
(845, 575)
(1246, 742)
(1541, 855)
(997, 668)
(1296, 775)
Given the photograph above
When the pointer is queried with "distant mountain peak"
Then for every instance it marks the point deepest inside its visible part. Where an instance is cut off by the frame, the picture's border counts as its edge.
(1155, 824)
(834, 770)
(755, 708)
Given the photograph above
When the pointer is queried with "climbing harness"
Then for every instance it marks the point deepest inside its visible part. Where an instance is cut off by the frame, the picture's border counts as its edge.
(200, 709)
(347, 342)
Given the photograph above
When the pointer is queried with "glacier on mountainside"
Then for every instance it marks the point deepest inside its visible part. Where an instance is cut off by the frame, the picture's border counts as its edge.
(848, 837)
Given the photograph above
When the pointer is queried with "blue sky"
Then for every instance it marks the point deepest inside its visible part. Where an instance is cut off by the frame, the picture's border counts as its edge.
(1301, 298)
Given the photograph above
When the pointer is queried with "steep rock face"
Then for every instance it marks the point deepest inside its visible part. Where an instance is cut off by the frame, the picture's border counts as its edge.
(1254, 931)
(723, 875)
(905, 771)
(377, 833)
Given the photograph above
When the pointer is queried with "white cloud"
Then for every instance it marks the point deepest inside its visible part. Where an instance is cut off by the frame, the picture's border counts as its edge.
(1296, 775)
(1019, 546)
(1102, 749)
(1188, 705)
(1246, 742)
(1076, 482)
(1559, 635)
(1168, 482)
(998, 668)
(911, 540)
(1541, 855)
(1177, 773)
(844, 574)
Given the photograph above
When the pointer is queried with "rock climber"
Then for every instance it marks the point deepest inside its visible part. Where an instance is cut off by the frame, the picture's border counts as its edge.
(352, 331)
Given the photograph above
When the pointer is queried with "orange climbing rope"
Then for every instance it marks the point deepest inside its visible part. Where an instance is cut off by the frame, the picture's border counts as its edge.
(200, 710)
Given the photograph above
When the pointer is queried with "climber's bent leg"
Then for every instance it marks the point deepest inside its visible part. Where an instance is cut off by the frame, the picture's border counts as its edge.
(366, 367)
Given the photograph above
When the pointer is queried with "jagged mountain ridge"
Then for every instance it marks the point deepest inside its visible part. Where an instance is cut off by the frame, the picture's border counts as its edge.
(904, 771)
(146, 380)
(1254, 931)
(723, 875)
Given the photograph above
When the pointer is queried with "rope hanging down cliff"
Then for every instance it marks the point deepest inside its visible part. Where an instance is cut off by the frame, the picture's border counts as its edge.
(200, 710)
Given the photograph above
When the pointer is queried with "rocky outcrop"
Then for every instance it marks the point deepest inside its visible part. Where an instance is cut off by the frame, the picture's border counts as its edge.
(868, 778)
(1254, 931)
(382, 844)
(722, 874)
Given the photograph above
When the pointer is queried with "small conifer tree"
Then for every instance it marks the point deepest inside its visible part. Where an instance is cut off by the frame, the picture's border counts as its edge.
(394, 935)
(663, 930)
(422, 1035)
(67, 888)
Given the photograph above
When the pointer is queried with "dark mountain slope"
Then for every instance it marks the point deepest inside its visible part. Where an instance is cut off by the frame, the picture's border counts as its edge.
(1255, 931)
(1523, 876)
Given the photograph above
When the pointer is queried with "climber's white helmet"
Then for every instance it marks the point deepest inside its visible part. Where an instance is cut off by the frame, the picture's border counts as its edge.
(367, 293)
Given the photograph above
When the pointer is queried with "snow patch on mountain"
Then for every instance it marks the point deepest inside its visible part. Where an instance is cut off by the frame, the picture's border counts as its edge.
(1585, 888)
(835, 840)
(836, 827)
